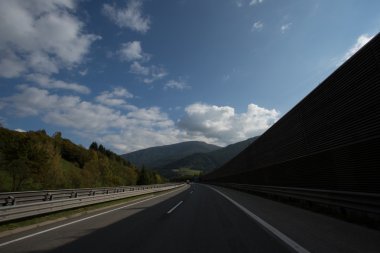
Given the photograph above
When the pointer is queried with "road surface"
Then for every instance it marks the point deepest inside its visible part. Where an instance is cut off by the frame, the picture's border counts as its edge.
(196, 218)
(193, 219)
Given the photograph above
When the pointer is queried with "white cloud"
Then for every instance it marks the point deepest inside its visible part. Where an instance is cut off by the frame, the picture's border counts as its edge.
(83, 72)
(40, 36)
(240, 3)
(149, 74)
(46, 82)
(285, 27)
(155, 73)
(116, 98)
(121, 92)
(179, 84)
(224, 125)
(136, 138)
(137, 68)
(20, 130)
(30, 101)
(141, 127)
(254, 2)
(360, 42)
(11, 65)
(126, 131)
(257, 26)
(129, 17)
(132, 51)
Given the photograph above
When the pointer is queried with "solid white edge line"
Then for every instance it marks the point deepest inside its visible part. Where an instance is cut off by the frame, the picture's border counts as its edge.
(295, 246)
(90, 217)
(171, 210)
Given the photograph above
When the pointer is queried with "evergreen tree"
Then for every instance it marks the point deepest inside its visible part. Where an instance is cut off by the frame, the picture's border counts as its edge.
(102, 149)
(94, 146)
(143, 177)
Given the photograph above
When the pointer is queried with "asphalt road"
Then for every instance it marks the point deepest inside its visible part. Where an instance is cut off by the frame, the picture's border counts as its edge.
(192, 219)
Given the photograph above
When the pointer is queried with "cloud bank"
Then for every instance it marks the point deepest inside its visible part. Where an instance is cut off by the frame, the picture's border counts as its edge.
(224, 125)
(111, 119)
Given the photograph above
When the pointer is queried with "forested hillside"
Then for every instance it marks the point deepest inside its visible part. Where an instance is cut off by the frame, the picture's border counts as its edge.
(34, 161)
(205, 162)
(186, 159)
(158, 157)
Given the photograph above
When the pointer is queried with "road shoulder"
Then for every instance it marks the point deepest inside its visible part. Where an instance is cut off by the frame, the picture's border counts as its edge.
(315, 232)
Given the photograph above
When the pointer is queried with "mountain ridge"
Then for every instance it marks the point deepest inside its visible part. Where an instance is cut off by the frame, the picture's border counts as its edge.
(167, 160)
(156, 157)
(207, 162)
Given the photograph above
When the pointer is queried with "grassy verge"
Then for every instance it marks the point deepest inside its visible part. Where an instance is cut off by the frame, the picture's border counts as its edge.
(186, 172)
(60, 215)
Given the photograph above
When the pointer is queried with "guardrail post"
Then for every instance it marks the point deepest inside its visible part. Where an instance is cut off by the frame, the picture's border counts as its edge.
(48, 197)
(10, 201)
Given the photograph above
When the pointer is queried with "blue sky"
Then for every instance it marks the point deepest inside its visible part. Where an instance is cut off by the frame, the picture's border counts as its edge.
(140, 73)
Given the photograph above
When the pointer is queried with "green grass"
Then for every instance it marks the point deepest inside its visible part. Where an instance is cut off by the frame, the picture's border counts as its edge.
(67, 213)
(67, 166)
(185, 172)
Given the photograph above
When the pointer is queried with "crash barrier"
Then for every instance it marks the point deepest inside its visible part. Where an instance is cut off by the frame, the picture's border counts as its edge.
(17, 205)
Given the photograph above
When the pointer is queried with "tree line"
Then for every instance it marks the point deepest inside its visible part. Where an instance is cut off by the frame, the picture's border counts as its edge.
(34, 161)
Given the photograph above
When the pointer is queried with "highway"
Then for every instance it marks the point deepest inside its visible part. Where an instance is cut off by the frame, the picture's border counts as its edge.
(196, 218)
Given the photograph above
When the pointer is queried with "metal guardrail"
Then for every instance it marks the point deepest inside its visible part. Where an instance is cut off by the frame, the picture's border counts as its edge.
(17, 205)
(25, 197)
(364, 204)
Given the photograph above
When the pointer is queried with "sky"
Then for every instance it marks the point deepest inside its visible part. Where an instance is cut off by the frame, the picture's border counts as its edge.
(140, 73)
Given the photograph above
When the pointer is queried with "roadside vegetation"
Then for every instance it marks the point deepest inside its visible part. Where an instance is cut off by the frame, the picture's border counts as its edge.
(34, 161)
(184, 174)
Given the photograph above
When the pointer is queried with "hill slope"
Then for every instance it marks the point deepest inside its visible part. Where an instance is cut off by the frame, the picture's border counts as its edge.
(206, 162)
(157, 157)
(37, 161)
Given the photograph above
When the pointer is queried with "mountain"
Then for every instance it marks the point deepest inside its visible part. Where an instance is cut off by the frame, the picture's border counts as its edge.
(157, 157)
(205, 162)
(186, 158)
